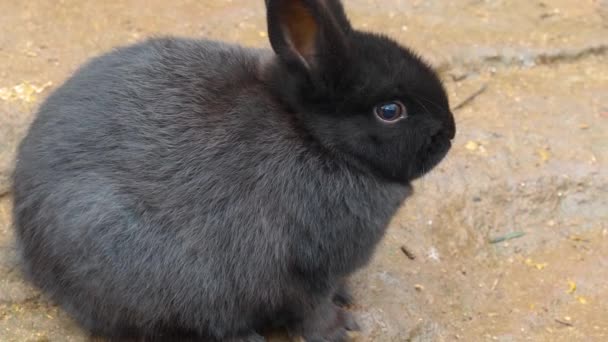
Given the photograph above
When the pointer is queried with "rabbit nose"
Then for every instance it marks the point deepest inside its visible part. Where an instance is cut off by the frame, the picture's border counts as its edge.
(443, 130)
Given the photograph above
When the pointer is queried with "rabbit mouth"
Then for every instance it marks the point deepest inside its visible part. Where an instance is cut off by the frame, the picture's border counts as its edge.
(432, 154)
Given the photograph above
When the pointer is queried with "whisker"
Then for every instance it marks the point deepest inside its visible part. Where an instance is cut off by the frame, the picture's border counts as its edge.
(418, 96)
(422, 105)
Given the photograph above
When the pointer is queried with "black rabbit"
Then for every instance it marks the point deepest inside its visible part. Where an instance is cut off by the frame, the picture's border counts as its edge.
(194, 190)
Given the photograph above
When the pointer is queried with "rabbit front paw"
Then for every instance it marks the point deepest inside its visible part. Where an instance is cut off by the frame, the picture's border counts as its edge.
(343, 296)
(329, 324)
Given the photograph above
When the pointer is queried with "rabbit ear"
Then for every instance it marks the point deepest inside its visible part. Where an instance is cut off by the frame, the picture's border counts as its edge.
(307, 33)
(337, 10)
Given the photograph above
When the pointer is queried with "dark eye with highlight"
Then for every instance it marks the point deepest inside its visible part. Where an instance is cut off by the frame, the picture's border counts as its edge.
(390, 111)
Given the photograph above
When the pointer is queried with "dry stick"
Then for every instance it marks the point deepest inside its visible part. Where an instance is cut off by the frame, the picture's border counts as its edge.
(563, 322)
(471, 97)
(408, 253)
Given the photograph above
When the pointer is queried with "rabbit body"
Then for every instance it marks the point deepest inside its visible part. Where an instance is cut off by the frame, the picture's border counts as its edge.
(148, 202)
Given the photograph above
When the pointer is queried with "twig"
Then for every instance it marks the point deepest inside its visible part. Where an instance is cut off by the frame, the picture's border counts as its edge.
(408, 253)
(496, 281)
(471, 97)
(510, 236)
(568, 324)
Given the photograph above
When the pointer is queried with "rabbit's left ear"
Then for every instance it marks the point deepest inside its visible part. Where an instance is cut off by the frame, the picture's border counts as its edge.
(309, 34)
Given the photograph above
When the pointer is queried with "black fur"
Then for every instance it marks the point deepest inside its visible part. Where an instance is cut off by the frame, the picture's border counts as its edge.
(193, 189)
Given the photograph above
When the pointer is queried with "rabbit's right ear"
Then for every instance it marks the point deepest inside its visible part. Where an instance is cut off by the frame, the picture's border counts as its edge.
(308, 34)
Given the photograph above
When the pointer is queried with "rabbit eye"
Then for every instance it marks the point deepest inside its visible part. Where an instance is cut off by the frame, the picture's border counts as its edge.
(390, 111)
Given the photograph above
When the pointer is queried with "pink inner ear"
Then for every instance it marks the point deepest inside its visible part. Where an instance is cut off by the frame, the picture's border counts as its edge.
(300, 28)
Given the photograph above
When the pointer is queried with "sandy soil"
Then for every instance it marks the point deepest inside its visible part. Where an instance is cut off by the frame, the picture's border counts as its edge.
(530, 156)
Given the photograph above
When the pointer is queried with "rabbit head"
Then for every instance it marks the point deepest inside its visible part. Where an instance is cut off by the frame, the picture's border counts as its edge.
(361, 95)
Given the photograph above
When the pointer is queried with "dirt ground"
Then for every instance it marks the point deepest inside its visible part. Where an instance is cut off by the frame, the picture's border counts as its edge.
(530, 156)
